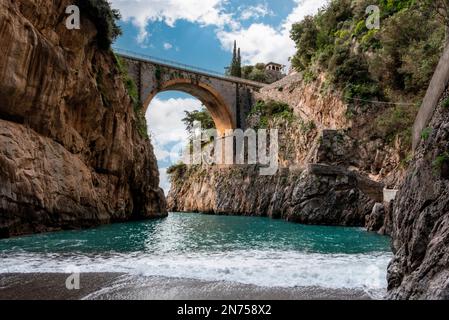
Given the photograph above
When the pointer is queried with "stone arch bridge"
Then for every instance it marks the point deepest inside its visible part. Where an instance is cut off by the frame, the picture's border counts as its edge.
(228, 99)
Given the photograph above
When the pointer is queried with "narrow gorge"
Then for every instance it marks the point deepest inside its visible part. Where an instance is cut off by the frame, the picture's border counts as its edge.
(333, 169)
(363, 142)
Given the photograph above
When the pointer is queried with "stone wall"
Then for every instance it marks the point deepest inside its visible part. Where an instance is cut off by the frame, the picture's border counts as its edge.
(437, 86)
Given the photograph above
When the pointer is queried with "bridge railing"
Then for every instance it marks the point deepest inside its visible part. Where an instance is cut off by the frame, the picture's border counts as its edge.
(183, 66)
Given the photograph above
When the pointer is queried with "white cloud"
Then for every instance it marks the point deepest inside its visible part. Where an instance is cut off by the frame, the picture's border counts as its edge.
(255, 12)
(303, 8)
(260, 43)
(164, 119)
(142, 12)
(164, 180)
(265, 43)
(167, 46)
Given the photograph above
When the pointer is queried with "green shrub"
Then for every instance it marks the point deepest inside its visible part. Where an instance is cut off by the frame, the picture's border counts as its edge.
(260, 66)
(128, 82)
(141, 122)
(425, 134)
(441, 160)
(307, 127)
(445, 104)
(370, 41)
(131, 88)
(177, 171)
(255, 73)
(105, 19)
(360, 27)
(405, 162)
(371, 64)
(305, 35)
(271, 110)
(203, 116)
(395, 122)
(246, 71)
(177, 168)
(309, 77)
(258, 75)
(362, 93)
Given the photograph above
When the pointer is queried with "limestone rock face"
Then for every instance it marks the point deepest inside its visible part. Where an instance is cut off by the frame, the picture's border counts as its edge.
(420, 268)
(344, 140)
(375, 220)
(324, 175)
(307, 102)
(70, 154)
(380, 219)
(320, 194)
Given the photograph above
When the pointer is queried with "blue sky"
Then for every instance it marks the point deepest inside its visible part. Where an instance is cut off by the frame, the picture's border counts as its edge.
(201, 33)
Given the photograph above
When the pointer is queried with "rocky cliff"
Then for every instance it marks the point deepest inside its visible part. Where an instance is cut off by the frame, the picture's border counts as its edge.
(420, 269)
(318, 194)
(70, 152)
(345, 139)
(331, 172)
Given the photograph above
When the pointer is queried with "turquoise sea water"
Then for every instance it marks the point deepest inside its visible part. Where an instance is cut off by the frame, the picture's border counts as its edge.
(247, 250)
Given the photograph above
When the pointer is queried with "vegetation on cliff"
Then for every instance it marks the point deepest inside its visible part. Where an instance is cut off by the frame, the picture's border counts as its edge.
(399, 57)
(235, 69)
(255, 73)
(374, 67)
(131, 88)
(265, 111)
(202, 116)
(105, 19)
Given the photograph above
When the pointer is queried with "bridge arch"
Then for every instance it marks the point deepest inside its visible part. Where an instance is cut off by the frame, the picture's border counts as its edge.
(228, 99)
(208, 96)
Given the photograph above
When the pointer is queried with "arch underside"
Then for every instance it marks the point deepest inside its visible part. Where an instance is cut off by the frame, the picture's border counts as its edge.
(211, 99)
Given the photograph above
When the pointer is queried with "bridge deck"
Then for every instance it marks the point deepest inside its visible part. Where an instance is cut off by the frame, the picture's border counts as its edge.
(184, 67)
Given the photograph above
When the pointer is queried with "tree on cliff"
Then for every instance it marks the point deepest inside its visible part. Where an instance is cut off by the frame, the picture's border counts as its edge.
(203, 116)
(374, 68)
(105, 19)
(235, 69)
(255, 73)
(441, 9)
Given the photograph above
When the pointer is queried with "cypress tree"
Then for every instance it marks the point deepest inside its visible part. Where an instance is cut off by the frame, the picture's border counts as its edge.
(239, 64)
(235, 70)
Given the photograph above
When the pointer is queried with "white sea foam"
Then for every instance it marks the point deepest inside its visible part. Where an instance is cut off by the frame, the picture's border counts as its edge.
(257, 267)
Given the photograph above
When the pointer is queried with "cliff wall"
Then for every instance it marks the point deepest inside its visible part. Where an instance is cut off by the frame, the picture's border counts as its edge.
(331, 171)
(70, 152)
(420, 268)
(318, 194)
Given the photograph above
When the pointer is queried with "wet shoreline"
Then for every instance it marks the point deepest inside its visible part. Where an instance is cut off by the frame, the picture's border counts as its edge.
(117, 286)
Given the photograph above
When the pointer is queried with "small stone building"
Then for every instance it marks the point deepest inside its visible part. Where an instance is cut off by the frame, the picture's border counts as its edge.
(274, 71)
(272, 66)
